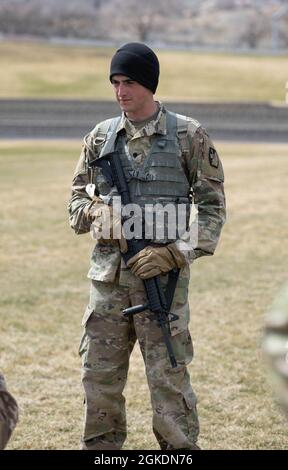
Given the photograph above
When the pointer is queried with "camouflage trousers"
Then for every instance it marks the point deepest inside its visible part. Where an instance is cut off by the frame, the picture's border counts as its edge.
(8, 413)
(105, 348)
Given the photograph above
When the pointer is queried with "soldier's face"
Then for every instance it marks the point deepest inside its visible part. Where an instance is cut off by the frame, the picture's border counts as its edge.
(132, 97)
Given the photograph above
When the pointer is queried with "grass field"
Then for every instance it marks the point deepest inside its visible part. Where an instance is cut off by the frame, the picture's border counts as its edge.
(44, 291)
(44, 71)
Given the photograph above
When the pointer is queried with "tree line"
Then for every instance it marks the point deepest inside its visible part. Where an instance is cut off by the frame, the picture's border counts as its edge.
(237, 23)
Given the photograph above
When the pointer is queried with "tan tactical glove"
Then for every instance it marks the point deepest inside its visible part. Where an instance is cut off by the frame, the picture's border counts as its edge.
(107, 227)
(152, 261)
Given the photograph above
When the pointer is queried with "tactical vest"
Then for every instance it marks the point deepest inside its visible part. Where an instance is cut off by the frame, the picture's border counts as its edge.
(159, 180)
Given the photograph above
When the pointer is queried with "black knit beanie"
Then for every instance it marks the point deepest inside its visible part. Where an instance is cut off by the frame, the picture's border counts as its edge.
(138, 62)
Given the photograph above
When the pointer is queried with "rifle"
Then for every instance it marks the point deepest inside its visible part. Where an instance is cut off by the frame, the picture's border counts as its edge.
(158, 303)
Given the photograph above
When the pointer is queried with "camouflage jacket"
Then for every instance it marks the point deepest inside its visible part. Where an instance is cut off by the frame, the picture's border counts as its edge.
(8, 413)
(203, 169)
(275, 346)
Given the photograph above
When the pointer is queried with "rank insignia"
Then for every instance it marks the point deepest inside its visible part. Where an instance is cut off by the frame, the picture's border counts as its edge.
(213, 158)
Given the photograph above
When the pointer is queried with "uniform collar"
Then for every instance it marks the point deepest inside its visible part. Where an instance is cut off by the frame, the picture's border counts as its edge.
(157, 126)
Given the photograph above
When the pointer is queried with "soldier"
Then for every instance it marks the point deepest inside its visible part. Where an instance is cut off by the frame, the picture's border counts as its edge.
(275, 346)
(8, 413)
(166, 157)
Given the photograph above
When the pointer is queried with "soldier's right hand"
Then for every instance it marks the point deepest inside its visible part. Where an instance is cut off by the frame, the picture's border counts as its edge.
(107, 228)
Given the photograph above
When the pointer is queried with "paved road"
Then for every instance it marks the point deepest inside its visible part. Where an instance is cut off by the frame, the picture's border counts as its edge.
(74, 118)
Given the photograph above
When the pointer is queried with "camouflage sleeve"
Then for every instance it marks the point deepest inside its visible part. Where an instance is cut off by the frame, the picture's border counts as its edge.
(3, 387)
(206, 178)
(80, 202)
(8, 413)
(275, 347)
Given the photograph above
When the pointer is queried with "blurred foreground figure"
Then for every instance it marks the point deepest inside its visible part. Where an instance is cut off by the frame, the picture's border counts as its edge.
(276, 347)
(8, 413)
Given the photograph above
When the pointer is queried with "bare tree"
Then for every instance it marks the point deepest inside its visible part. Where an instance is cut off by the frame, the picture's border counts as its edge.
(256, 27)
(50, 18)
(283, 34)
(141, 18)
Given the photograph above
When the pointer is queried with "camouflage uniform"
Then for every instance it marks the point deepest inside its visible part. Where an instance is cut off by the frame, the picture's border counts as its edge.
(109, 338)
(8, 413)
(276, 347)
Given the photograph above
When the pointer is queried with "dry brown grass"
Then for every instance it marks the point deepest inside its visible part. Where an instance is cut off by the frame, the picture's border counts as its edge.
(44, 291)
(43, 70)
